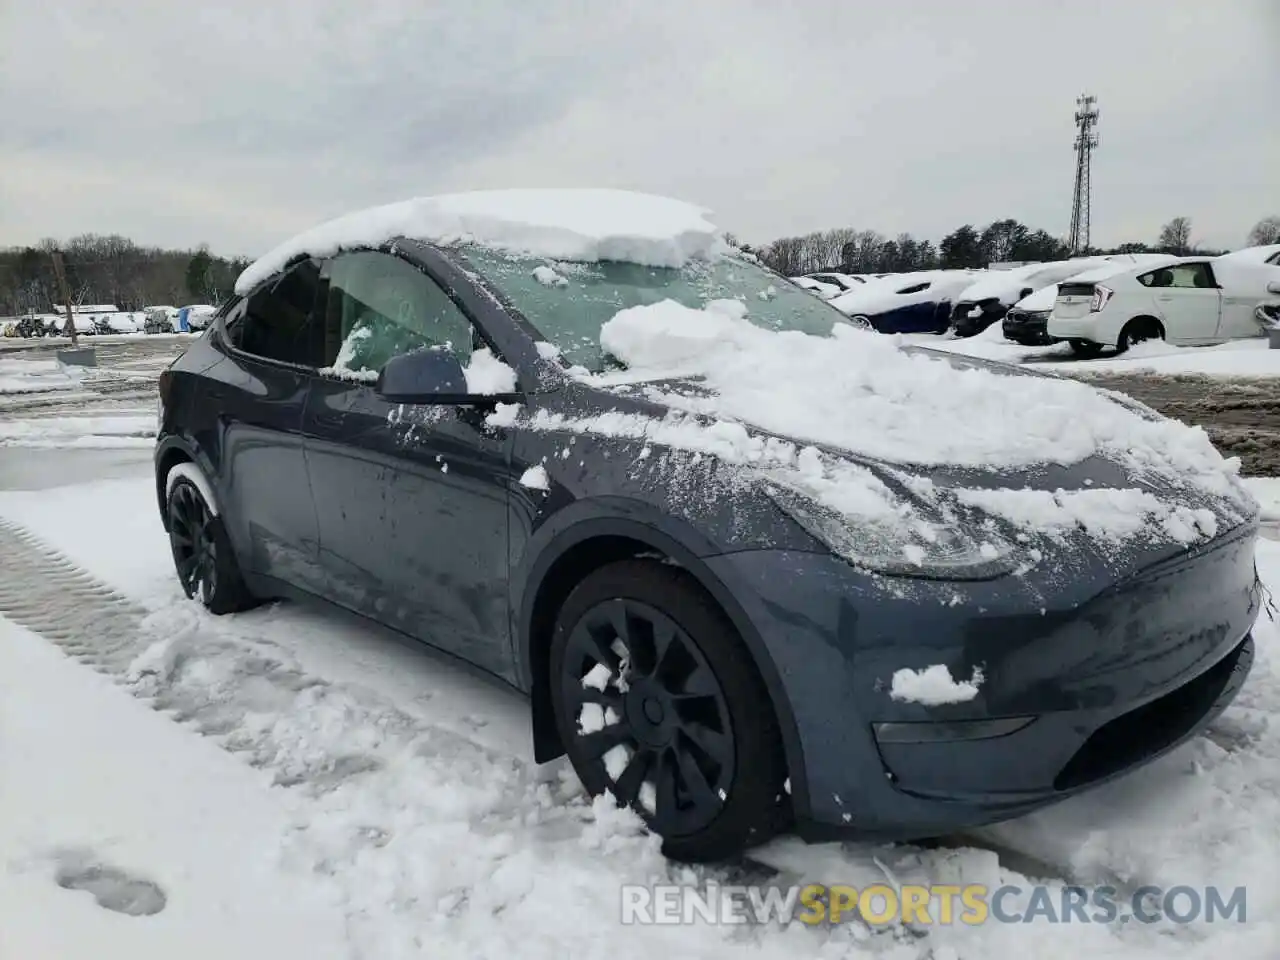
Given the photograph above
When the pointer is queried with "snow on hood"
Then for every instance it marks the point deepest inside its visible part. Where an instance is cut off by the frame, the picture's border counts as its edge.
(878, 296)
(568, 224)
(1042, 299)
(860, 393)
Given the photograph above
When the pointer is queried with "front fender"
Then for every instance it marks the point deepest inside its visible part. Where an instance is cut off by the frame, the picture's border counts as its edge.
(603, 517)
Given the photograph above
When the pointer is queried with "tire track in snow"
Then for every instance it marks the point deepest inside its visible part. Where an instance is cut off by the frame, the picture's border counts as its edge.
(45, 592)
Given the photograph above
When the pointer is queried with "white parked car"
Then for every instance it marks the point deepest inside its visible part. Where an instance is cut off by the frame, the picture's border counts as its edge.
(1188, 301)
(824, 291)
(991, 296)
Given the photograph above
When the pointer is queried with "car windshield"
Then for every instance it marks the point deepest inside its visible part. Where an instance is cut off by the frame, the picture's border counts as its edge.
(568, 303)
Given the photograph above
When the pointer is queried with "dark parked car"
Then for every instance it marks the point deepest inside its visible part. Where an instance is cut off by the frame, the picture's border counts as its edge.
(1027, 327)
(718, 662)
(907, 302)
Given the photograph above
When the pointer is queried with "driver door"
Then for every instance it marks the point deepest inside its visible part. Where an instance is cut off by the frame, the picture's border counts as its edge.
(411, 499)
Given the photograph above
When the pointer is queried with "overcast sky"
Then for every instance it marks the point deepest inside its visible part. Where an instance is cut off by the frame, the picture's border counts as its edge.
(239, 122)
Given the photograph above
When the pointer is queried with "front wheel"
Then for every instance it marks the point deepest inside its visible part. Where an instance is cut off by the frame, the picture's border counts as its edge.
(657, 702)
(202, 553)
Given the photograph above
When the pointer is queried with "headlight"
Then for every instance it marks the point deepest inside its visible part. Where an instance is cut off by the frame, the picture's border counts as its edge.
(921, 548)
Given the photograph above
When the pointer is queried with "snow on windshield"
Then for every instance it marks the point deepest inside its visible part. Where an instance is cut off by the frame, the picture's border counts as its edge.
(578, 225)
(569, 303)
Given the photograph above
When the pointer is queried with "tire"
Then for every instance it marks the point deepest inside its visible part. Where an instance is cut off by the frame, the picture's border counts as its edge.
(202, 554)
(1085, 348)
(704, 767)
(859, 320)
(1139, 330)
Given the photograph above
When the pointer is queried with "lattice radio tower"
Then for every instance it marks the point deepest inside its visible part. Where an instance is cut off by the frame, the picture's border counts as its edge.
(1086, 142)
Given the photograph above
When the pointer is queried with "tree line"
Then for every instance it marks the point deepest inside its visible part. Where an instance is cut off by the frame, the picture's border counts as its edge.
(112, 269)
(847, 250)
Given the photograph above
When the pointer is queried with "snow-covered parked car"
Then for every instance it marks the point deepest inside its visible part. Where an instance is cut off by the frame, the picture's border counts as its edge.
(824, 291)
(991, 296)
(1188, 301)
(754, 567)
(842, 281)
(906, 302)
(1026, 322)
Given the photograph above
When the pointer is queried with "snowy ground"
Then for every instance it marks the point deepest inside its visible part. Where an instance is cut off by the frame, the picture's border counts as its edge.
(1239, 358)
(369, 800)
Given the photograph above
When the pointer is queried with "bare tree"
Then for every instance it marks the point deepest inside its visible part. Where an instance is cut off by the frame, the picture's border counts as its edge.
(1265, 232)
(1175, 236)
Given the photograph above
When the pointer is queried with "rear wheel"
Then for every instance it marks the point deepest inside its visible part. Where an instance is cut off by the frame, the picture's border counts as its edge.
(657, 702)
(1085, 348)
(202, 554)
(1139, 330)
(858, 320)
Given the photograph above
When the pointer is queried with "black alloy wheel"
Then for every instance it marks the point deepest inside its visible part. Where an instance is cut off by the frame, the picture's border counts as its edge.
(658, 703)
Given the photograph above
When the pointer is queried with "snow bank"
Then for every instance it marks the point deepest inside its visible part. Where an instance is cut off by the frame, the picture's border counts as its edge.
(933, 686)
(581, 225)
(36, 376)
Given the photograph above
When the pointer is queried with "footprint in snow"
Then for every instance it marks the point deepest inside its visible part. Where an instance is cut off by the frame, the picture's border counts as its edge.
(111, 887)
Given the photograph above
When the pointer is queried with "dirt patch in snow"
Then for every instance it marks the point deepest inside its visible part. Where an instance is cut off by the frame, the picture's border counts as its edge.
(1241, 415)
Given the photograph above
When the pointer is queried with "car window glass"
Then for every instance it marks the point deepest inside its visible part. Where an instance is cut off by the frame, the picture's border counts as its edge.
(280, 321)
(915, 288)
(380, 306)
(1186, 276)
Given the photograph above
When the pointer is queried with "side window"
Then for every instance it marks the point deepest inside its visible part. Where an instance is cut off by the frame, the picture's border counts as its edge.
(1190, 276)
(1274, 259)
(379, 306)
(279, 321)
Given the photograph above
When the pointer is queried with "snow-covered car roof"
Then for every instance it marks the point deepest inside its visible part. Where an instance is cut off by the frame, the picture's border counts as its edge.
(827, 290)
(565, 224)
(1258, 255)
(1115, 268)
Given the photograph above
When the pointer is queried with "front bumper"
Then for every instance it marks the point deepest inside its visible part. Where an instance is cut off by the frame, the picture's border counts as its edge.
(966, 324)
(1028, 329)
(1113, 675)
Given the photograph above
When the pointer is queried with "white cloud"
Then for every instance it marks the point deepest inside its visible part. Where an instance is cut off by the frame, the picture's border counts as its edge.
(240, 122)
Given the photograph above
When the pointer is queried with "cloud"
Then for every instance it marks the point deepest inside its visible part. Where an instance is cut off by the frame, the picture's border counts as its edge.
(241, 122)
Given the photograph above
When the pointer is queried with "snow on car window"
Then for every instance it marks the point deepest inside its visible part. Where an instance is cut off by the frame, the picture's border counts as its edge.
(571, 314)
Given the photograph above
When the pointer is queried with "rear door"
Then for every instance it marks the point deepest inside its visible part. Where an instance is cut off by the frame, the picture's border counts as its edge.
(255, 397)
(1189, 301)
(1244, 286)
(411, 499)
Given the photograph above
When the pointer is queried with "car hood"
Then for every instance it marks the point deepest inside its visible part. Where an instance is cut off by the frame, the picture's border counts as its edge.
(1230, 508)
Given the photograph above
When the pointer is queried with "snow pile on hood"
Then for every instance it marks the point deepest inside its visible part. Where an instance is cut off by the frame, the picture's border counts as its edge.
(578, 225)
(859, 392)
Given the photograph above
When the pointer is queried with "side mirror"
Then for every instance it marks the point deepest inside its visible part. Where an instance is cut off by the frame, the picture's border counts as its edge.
(433, 375)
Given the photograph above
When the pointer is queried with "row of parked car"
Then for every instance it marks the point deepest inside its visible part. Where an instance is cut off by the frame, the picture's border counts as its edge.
(1090, 302)
(161, 319)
